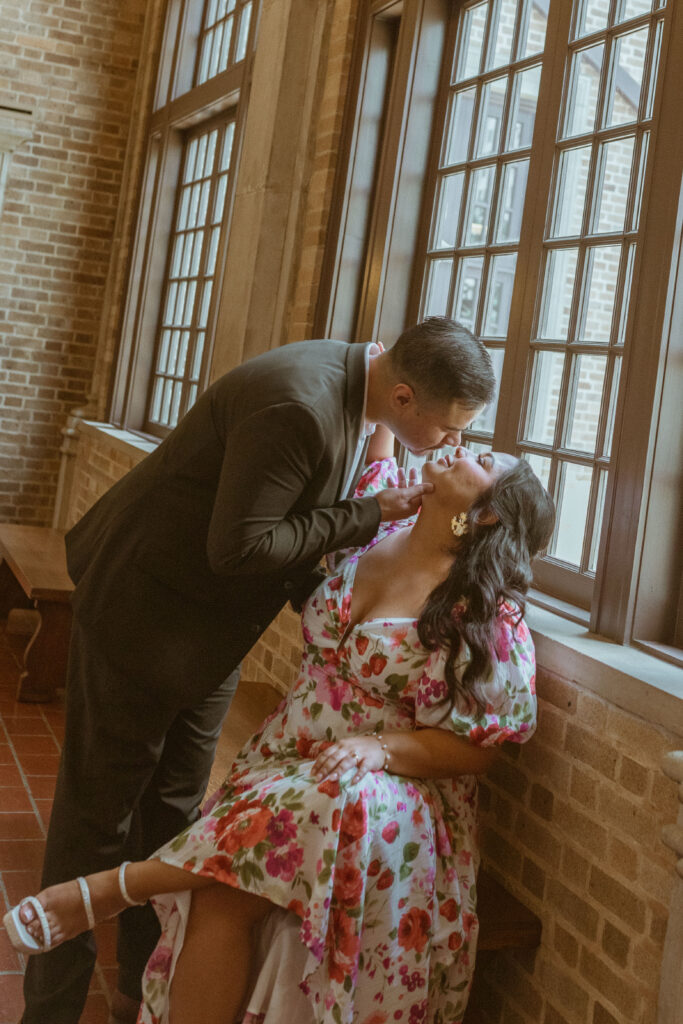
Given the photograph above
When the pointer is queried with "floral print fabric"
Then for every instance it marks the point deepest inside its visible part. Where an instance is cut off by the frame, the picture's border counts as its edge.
(381, 873)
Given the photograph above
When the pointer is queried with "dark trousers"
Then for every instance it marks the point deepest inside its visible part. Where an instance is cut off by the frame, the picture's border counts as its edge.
(132, 775)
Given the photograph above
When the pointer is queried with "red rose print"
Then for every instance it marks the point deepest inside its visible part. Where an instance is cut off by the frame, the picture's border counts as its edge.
(330, 786)
(336, 818)
(335, 583)
(390, 831)
(354, 822)
(413, 929)
(345, 938)
(454, 940)
(297, 907)
(450, 910)
(220, 868)
(348, 885)
(245, 831)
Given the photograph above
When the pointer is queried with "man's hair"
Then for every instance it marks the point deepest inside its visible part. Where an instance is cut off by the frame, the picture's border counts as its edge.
(444, 362)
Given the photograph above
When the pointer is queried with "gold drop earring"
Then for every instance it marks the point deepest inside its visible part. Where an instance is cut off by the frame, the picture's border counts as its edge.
(459, 524)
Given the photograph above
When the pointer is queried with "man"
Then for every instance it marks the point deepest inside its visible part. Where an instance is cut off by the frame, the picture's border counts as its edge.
(181, 566)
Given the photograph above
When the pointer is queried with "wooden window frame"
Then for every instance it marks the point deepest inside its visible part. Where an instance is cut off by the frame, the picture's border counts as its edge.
(388, 281)
(179, 107)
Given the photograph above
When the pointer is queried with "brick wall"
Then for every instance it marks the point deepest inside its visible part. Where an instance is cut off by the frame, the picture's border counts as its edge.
(571, 823)
(74, 66)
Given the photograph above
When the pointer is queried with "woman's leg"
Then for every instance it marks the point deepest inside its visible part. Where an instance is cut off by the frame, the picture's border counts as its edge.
(212, 972)
(63, 904)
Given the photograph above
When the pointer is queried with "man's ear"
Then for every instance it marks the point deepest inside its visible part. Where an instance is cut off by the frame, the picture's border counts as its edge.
(402, 395)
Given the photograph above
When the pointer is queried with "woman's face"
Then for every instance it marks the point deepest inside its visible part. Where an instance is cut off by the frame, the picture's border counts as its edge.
(461, 478)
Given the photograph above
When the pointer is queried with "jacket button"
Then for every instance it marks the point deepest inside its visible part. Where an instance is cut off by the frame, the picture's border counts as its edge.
(288, 585)
(255, 628)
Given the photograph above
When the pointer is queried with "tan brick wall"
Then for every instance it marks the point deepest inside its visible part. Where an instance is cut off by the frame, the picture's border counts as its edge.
(100, 462)
(74, 66)
(571, 822)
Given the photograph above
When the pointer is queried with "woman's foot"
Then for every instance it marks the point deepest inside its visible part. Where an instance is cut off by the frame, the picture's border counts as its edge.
(64, 907)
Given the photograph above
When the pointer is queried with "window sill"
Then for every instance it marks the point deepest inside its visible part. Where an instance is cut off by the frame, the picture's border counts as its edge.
(627, 677)
(122, 440)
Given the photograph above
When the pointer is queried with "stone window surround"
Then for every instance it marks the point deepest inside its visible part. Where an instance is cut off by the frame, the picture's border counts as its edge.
(16, 126)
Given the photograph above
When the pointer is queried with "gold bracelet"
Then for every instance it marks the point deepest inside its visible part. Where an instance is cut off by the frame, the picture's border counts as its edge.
(387, 755)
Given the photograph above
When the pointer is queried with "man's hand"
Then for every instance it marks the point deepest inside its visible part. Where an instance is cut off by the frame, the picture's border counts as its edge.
(402, 499)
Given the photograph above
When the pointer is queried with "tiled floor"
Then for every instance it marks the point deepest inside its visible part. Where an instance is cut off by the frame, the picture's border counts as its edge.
(29, 753)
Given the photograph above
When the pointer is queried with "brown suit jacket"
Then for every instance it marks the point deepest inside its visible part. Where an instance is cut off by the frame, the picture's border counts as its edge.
(187, 559)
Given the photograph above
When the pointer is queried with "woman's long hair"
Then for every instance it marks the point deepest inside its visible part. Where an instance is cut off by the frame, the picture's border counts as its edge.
(492, 566)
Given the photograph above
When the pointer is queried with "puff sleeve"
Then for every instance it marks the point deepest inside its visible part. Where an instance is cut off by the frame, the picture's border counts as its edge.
(508, 695)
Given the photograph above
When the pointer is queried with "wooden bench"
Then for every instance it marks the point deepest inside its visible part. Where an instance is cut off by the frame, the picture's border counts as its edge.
(33, 574)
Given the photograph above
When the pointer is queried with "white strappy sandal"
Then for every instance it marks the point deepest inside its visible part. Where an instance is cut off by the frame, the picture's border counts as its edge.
(20, 936)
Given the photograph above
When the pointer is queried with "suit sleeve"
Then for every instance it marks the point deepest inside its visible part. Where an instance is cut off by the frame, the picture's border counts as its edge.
(269, 460)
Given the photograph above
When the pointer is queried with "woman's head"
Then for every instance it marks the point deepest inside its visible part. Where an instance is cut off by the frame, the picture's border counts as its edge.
(498, 493)
(510, 518)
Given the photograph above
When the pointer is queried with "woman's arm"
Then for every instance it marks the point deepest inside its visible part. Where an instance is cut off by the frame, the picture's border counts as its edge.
(422, 754)
(380, 446)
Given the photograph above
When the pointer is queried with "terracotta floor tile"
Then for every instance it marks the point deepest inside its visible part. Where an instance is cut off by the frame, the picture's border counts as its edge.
(21, 854)
(6, 754)
(11, 998)
(44, 809)
(42, 787)
(9, 776)
(35, 746)
(9, 959)
(10, 707)
(26, 725)
(105, 934)
(14, 800)
(21, 883)
(19, 825)
(96, 1010)
(39, 764)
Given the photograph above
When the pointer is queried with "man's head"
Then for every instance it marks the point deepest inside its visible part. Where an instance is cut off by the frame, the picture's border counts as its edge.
(438, 378)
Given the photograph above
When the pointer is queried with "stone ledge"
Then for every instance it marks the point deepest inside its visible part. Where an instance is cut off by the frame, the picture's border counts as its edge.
(625, 676)
(123, 440)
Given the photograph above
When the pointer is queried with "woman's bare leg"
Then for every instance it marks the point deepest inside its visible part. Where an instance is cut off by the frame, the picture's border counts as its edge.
(212, 973)
(63, 903)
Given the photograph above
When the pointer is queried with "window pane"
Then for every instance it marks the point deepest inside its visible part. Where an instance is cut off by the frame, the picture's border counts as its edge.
(499, 295)
(638, 196)
(612, 408)
(570, 191)
(470, 41)
(631, 9)
(597, 522)
(546, 385)
(533, 27)
(592, 17)
(601, 270)
(573, 496)
(460, 125)
(491, 116)
(626, 294)
(511, 201)
(485, 423)
(654, 67)
(540, 465)
(467, 290)
(244, 33)
(611, 185)
(626, 79)
(446, 226)
(438, 284)
(586, 399)
(583, 91)
(558, 289)
(523, 113)
(502, 33)
(479, 206)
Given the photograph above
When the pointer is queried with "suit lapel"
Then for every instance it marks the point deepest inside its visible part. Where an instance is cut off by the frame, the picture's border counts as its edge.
(353, 410)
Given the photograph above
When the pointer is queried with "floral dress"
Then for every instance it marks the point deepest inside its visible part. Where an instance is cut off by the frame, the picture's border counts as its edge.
(380, 874)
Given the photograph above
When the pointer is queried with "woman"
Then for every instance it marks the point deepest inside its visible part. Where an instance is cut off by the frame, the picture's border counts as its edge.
(353, 809)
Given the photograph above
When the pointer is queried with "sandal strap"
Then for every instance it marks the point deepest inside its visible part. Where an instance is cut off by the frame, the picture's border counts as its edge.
(122, 886)
(87, 902)
(42, 917)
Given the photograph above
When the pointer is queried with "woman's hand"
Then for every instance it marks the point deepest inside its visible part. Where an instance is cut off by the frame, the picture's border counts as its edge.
(411, 480)
(364, 753)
